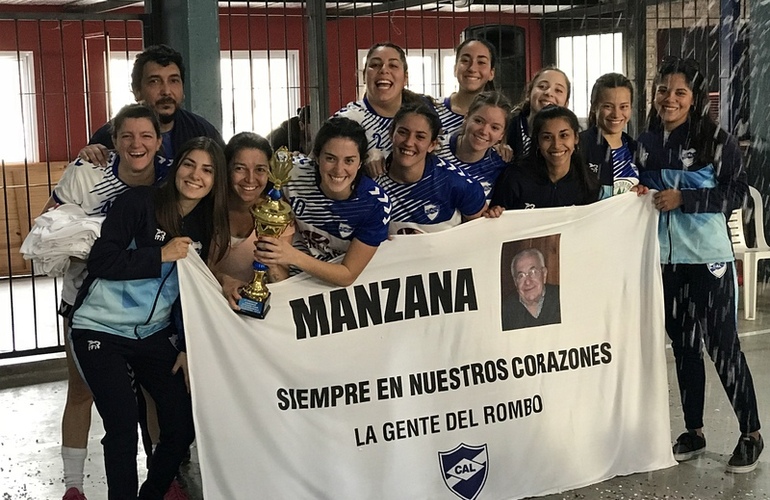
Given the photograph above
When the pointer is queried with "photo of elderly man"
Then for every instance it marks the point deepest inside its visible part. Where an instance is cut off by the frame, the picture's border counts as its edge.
(534, 302)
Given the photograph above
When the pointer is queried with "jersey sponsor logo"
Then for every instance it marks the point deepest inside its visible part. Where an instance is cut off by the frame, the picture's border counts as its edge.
(431, 211)
(464, 469)
(718, 269)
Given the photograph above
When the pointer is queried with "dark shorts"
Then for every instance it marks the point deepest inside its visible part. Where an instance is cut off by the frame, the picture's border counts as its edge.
(65, 310)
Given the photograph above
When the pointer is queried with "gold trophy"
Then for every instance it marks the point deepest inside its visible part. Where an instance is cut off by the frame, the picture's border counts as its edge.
(271, 218)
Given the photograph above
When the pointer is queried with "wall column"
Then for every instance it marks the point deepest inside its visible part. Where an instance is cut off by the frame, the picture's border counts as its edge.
(192, 28)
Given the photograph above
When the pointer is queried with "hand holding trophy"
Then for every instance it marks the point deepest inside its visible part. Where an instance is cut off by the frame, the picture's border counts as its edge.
(271, 218)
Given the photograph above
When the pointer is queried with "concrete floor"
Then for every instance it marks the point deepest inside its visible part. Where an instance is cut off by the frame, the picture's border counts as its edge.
(30, 464)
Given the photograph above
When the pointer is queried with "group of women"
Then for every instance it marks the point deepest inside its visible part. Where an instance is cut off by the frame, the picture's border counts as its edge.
(399, 163)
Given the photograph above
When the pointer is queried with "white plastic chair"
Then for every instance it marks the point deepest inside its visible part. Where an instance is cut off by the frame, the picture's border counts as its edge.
(749, 255)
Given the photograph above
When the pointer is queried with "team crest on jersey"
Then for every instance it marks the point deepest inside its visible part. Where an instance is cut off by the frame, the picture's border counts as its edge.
(594, 167)
(464, 469)
(345, 230)
(623, 185)
(431, 210)
(718, 269)
(688, 157)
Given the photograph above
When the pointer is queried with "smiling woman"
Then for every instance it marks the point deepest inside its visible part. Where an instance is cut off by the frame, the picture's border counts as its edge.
(146, 232)
(248, 161)
(472, 148)
(475, 61)
(698, 171)
(605, 144)
(136, 133)
(386, 74)
(338, 210)
(549, 86)
(428, 194)
(553, 174)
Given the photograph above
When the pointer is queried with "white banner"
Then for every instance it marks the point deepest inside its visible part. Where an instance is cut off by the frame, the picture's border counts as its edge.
(405, 385)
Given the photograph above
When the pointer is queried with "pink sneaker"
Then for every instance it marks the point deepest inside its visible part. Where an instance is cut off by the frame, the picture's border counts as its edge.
(73, 494)
(175, 492)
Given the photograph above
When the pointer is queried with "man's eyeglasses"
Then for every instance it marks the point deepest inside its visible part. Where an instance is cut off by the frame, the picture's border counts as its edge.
(535, 272)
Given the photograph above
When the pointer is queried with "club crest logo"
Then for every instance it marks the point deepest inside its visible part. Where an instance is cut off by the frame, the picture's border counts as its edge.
(718, 269)
(464, 469)
(688, 157)
(345, 230)
(431, 210)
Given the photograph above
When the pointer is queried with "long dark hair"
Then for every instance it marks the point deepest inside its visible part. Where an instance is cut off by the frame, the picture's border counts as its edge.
(704, 134)
(345, 128)
(587, 179)
(421, 108)
(490, 85)
(607, 81)
(246, 140)
(215, 203)
(407, 96)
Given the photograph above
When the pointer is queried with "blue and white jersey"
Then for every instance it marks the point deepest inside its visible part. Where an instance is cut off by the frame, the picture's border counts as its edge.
(94, 188)
(624, 173)
(450, 121)
(377, 127)
(485, 171)
(615, 168)
(325, 227)
(434, 203)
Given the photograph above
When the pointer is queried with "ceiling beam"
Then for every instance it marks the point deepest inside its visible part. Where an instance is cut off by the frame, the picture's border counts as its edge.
(101, 7)
(387, 6)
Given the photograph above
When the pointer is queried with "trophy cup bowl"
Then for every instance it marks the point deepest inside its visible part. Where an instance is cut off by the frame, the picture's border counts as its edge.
(271, 218)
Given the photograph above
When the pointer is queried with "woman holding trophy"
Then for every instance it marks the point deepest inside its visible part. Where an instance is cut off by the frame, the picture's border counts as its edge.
(248, 158)
(338, 210)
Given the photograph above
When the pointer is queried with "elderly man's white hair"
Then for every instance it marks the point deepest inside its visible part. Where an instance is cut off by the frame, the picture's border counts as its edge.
(527, 252)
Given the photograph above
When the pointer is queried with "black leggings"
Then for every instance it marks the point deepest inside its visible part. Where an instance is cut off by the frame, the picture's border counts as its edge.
(701, 312)
(102, 359)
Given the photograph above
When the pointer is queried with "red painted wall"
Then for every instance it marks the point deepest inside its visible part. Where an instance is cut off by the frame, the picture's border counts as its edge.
(70, 70)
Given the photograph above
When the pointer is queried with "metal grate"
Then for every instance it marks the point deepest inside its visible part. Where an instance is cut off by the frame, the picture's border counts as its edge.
(280, 56)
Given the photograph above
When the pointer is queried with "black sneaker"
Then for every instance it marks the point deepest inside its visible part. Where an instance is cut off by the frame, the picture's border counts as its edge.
(745, 455)
(688, 446)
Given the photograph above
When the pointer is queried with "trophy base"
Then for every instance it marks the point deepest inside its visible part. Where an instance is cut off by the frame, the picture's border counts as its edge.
(254, 308)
